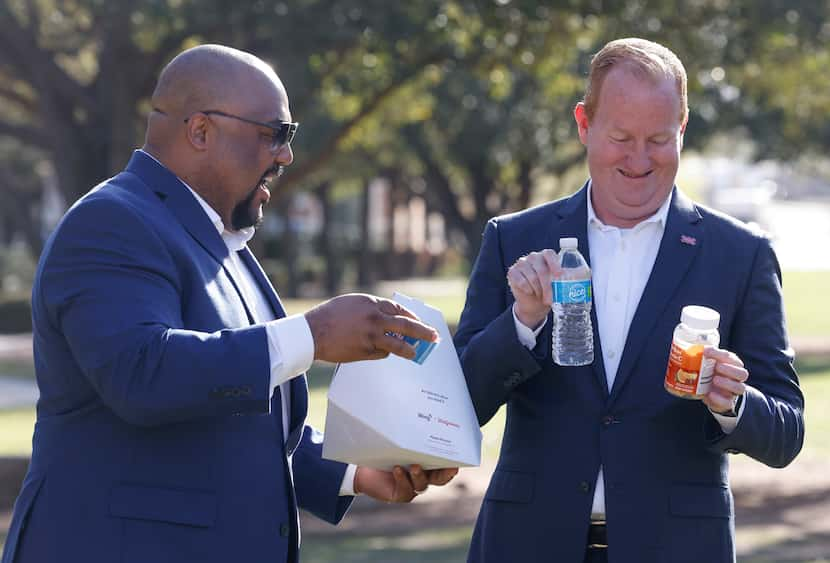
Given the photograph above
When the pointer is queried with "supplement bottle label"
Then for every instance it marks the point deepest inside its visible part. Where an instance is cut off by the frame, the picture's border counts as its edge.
(688, 374)
(566, 292)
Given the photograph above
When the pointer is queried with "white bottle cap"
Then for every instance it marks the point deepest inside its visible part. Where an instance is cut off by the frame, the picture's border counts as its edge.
(568, 242)
(699, 318)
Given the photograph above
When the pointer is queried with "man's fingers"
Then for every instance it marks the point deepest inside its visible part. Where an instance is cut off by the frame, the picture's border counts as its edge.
(419, 479)
(731, 371)
(386, 344)
(409, 327)
(519, 283)
(719, 401)
(442, 476)
(404, 492)
(728, 385)
(723, 356)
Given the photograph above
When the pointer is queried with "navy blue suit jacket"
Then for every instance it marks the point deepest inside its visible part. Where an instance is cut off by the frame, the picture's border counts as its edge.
(156, 439)
(667, 492)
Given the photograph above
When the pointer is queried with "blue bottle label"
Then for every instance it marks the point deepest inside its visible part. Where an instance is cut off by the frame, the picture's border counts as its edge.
(565, 292)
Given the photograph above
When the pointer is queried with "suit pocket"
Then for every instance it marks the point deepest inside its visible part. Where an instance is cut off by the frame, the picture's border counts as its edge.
(511, 486)
(708, 501)
(174, 506)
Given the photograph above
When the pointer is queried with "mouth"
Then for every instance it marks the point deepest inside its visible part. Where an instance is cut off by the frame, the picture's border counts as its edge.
(633, 175)
(269, 178)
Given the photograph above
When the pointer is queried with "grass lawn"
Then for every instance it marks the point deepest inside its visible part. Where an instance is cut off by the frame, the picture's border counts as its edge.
(808, 314)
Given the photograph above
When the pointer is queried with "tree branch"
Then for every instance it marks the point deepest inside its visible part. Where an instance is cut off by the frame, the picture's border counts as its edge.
(19, 49)
(18, 98)
(329, 149)
(27, 135)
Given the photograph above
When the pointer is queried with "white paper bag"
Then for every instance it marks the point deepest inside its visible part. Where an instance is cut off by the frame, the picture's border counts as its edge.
(393, 411)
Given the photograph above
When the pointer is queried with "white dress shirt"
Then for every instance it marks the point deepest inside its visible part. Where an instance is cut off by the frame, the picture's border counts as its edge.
(621, 263)
(290, 343)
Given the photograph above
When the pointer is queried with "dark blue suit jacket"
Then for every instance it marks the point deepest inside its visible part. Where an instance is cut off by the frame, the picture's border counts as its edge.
(667, 489)
(155, 438)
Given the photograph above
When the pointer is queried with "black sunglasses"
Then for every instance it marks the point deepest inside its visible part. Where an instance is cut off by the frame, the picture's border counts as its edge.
(282, 132)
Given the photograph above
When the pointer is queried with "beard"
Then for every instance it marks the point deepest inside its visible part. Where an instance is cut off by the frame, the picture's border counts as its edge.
(247, 213)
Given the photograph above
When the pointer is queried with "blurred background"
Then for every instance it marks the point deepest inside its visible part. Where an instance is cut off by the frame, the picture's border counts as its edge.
(420, 121)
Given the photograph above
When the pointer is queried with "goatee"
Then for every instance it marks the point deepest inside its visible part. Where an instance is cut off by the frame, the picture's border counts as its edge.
(246, 213)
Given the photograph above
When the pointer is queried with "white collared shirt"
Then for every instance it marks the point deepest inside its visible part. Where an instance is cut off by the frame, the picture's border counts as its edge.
(290, 343)
(621, 264)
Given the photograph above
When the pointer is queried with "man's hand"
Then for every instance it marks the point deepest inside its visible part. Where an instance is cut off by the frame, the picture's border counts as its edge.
(355, 327)
(399, 485)
(529, 279)
(727, 382)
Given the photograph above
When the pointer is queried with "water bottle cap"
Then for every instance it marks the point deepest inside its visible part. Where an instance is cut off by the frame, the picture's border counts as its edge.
(568, 242)
(699, 318)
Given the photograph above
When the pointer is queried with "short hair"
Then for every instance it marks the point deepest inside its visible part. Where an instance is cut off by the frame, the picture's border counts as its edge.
(643, 58)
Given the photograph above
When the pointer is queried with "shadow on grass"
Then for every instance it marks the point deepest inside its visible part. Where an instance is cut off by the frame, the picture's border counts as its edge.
(319, 376)
(436, 545)
(811, 365)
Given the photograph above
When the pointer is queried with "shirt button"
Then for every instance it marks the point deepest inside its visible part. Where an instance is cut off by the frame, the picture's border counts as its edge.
(612, 354)
(617, 297)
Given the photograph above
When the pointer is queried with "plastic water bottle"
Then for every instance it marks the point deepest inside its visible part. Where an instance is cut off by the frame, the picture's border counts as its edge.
(573, 336)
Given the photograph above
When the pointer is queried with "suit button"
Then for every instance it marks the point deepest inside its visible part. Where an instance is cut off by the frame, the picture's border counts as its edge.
(608, 420)
(584, 486)
(285, 530)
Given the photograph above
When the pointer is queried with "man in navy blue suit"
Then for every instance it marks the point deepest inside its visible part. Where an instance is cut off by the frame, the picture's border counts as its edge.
(600, 463)
(170, 426)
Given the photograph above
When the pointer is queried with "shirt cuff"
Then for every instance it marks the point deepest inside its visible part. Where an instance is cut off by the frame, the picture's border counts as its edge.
(290, 348)
(347, 486)
(729, 423)
(527, 336)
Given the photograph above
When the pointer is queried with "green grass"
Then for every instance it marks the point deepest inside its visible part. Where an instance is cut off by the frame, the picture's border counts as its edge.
(808, 314)
(17, 368)
(16, 428)
(447, 545)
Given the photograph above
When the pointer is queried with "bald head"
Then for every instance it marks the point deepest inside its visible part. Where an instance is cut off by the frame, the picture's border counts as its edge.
(205, 77)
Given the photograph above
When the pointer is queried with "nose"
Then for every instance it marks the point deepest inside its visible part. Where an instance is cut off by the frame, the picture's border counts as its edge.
(284, 155)
(639, 159)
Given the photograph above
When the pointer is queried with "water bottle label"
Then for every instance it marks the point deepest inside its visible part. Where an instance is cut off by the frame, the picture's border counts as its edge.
(565, 292)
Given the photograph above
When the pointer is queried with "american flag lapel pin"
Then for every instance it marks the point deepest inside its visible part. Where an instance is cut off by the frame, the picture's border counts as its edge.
(686, 239)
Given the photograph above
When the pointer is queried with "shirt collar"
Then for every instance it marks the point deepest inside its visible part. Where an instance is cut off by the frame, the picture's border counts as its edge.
(658, 217)
(235, 240)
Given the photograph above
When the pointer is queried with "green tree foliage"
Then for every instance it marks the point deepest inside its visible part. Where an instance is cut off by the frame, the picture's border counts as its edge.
(468, 101)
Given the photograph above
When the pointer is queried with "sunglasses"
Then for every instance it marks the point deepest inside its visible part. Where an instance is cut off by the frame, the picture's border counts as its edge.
(282, 132)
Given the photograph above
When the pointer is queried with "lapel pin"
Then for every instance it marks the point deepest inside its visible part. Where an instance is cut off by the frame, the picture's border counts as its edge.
(686, 239)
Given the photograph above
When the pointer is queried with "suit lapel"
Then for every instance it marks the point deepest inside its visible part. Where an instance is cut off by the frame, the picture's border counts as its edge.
(299, 386)
(682, 239)
(180, 202)
(573, 222)
(190, 214)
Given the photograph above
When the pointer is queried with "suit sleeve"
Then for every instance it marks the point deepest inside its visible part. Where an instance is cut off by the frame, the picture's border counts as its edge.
(111, 287)
(771, 428)
(493, 359)
(317, 481)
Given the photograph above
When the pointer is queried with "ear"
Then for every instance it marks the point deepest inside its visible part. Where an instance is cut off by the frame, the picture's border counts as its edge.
(682, 133)
(197, 131)
(581, 117)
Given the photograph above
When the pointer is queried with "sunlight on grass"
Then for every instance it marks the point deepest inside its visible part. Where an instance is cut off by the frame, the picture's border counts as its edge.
(16, 428)
(807, 315)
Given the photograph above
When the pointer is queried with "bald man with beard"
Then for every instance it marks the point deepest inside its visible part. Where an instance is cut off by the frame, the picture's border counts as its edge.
(170, 425)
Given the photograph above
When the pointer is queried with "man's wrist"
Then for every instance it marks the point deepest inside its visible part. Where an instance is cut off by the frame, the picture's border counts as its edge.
(736, 406)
